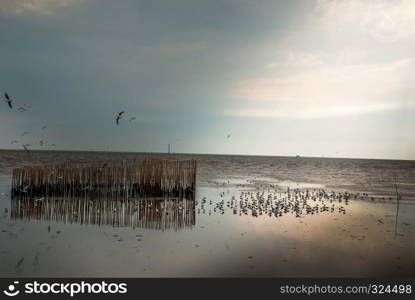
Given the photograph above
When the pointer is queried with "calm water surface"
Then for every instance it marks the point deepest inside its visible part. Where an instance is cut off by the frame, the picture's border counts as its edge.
(215, 237)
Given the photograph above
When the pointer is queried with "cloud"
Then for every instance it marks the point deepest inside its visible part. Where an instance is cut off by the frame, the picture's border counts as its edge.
(296, 59)
(382, 20)
(41, 7)
(341, 62)
(175, 63)
(309, 112)
(325, 91)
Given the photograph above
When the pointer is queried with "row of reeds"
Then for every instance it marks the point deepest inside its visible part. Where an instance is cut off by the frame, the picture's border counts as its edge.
(155, 213)
(116, 179)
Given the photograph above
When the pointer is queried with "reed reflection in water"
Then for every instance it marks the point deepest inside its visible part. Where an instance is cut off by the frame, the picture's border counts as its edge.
(155, 213)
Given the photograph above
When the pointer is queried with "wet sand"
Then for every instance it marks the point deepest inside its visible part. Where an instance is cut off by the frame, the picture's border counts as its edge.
(235, 232)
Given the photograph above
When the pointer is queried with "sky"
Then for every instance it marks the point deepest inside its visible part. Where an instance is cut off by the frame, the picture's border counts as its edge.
(311, 77)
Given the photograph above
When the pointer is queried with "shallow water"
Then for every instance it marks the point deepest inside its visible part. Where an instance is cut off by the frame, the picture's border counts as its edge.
(356, 239)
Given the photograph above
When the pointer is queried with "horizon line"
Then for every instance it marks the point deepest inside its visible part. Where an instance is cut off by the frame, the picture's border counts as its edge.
(216, 154)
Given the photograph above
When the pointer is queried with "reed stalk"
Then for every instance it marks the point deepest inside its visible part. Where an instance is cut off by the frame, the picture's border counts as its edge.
(120, 179)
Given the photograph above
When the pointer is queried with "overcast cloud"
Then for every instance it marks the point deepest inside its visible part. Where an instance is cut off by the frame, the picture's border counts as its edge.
(314, 78)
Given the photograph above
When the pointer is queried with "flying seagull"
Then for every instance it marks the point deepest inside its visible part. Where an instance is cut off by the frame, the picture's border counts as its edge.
(8, 100)
(228, 136)
(24, 108)
(19, 263)
(44, 127)
(25, 147)
(119, 116)
(132, 119)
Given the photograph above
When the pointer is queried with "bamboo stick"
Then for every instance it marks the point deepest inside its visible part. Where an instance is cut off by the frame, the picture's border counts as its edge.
(120, 179)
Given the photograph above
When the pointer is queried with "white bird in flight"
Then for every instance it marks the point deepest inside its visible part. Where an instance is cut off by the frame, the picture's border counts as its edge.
(24, 108)
(119, 116)
(25, 146)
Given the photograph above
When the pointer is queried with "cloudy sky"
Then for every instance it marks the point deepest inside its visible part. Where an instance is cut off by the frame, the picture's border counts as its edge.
(314, 78)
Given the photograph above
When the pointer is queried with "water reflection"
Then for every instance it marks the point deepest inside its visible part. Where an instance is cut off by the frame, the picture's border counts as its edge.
(155, 213)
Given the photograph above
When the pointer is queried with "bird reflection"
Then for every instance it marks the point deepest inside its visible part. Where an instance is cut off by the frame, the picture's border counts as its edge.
(155, 213)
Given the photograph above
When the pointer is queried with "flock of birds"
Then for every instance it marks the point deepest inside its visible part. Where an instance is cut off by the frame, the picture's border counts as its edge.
(272, 200)
(26, 146)
(276, 203)
(257, 200)
(24, 108)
